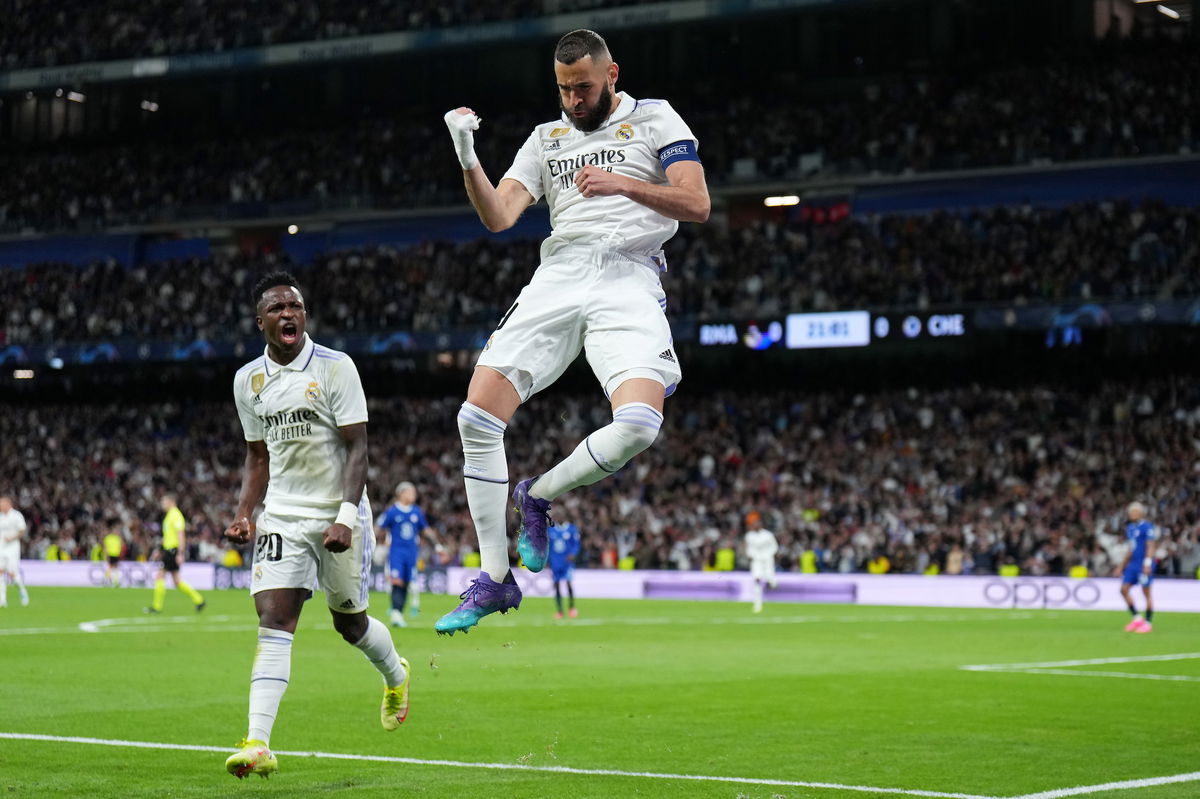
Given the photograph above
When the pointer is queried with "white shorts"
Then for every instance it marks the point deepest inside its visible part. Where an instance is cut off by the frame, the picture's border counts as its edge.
(762, 570)
(288, 553)
(10, 559)
(608, 303)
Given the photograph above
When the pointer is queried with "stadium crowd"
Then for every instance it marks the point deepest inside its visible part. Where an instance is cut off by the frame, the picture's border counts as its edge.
(1086, 251)
(76, 32)
(1137, 104)
(964, 480)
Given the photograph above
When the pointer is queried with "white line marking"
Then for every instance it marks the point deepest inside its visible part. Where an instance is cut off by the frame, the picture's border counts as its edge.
(1050, 664)
(148, 624)
(503, 766)
(1192, 776)
(1062, 667)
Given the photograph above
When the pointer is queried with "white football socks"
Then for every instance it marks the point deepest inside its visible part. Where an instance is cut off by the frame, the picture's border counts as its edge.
(485, 473)
(268, 681)
(377, 645)
(634, 428)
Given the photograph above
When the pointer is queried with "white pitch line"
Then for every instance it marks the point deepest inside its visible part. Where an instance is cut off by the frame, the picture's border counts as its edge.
(1063, 668)
(1051, 664)
(147, 624)
(1118, 674)
(412, 761)
(1059, 793)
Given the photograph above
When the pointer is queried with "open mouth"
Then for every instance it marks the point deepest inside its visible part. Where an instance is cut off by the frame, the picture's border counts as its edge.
(288, 333)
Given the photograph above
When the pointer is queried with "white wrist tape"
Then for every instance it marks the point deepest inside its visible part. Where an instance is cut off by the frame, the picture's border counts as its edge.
(461, 131)
(1148, 562)
(347, 515)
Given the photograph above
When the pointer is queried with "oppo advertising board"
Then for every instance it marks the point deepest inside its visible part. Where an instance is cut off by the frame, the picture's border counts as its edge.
(899, 590)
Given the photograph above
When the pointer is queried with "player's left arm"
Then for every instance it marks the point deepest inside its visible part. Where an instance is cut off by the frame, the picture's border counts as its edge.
(354, 478)
(685, 198)
(1151, 548)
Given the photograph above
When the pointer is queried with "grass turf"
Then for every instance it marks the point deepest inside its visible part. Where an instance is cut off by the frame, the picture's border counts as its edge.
(862, 696)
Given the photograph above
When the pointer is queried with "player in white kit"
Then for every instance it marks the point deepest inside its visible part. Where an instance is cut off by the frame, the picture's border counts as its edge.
(304, 415)
(761, 547)
(12, 528)
(619, 174)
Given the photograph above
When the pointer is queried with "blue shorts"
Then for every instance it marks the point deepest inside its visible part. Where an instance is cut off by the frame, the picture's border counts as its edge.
(1133, 576)
(565, 571)
(402, 565)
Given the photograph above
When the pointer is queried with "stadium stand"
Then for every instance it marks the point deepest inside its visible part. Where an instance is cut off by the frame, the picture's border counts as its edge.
(1123, 104)
(968, 479)
(1085, 251)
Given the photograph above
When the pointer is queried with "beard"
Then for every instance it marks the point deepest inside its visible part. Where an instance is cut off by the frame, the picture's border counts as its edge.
(591, 119)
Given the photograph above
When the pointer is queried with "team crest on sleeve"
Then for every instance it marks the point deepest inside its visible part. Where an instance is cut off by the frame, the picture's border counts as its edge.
(312, 392)
(625, 131)
(554, 134)
(257, 381)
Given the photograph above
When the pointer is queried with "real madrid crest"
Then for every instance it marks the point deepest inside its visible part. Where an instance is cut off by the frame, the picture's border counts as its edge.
(312, 392)
(625, 131)
(257, 381)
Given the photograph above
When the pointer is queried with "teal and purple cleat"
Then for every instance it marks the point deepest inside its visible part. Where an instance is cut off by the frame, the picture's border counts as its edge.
(483, 597)
(533, 542)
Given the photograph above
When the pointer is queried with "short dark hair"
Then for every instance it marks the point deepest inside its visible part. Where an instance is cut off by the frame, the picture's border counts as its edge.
(579, 43)
(269, 281)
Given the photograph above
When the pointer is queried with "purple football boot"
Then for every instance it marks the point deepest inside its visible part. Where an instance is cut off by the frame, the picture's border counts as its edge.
(533, 543)
(482, 597)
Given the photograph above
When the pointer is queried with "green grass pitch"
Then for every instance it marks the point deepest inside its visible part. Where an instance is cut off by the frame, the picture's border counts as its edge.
(866, 697)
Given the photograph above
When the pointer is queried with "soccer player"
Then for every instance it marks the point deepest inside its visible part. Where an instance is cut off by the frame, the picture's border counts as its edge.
(173, 552)
(12, 528)
(564, 546)
(1138, 566)
(405, 523)
(304, 417)
(619, 174)
(761, 547)
(114, 546)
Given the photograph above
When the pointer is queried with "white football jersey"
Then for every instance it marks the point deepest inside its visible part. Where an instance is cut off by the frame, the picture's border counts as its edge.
(761, 545)
(297, 410)
(12, 524)
(635, 141)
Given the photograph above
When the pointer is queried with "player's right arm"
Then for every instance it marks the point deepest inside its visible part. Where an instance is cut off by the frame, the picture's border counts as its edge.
(499, 207)
(255, 474)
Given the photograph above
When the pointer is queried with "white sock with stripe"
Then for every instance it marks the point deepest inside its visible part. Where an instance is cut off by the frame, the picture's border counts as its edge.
(377, 645)
(485, 473)
(268, 681)
(634, 428)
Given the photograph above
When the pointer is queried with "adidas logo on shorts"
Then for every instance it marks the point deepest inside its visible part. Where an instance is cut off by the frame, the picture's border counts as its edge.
(667, 356)
(349, 603)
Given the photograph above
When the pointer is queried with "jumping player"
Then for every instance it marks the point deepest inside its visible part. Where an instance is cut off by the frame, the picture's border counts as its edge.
(619, 174)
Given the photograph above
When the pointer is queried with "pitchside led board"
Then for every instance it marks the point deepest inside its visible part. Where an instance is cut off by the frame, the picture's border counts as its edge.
(809, 331)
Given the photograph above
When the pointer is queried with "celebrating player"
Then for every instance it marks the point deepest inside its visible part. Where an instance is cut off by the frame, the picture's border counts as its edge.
(12, 527)
(619, 174)
(304, 415)
(173, 552)
(405, 523)
(761, 547)
(1138, 566)
(564, 546)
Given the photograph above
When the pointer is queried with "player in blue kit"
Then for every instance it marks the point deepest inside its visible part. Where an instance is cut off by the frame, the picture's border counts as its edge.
(1138, 566)
(405, 523)
(564, 546)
